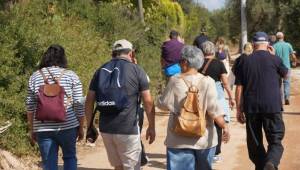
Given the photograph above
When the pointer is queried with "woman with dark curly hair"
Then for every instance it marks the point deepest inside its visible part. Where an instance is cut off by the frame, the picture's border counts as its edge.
(54, 109)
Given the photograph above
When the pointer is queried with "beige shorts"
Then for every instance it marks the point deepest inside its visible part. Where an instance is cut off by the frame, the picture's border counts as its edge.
(123, 150)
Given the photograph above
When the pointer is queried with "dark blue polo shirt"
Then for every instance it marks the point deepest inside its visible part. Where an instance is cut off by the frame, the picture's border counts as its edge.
(136, 81)
(260, 75)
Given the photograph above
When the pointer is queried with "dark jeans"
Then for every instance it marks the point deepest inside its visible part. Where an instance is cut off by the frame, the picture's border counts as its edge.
(50, 141)
(219, 132)
(274, 129)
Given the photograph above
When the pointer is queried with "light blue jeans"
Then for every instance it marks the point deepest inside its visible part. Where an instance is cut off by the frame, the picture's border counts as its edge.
(222, 101)
(50, 141)
(287, 85)
(190, 159)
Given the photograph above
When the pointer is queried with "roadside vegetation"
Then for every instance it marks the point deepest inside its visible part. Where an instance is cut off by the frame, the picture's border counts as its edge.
(87, 29)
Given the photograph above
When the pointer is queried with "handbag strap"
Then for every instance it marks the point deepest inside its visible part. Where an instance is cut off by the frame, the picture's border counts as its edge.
(206, 66)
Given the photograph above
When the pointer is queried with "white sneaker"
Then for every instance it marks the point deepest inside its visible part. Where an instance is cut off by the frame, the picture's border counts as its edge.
(217, 159)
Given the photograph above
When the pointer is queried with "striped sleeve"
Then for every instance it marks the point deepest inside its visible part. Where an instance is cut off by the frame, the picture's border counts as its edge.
(77, 96)
(31, 101)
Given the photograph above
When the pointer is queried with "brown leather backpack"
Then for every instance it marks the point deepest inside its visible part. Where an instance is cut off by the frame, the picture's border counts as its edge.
(50, 105)
(191, 120)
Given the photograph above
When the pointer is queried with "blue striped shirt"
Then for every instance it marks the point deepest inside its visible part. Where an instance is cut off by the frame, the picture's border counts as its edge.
(73, 88)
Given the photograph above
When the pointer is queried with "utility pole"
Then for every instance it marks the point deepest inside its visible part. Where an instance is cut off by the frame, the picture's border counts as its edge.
(141, 11)
(244, 38)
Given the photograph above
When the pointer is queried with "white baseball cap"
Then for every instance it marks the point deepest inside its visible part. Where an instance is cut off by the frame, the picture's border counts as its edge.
(122, 45)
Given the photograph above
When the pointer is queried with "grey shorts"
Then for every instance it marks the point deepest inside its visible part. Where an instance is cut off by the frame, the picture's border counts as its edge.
(123, 150)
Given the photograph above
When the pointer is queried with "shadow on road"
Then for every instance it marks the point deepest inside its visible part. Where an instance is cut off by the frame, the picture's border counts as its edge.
(61, 167)
(162, 114)
(292, 113)
(156, 155)
(81, 168)
(157, 164)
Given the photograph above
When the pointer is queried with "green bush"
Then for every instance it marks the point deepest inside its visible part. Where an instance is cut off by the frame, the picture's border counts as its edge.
(23, 39)
(86, 29)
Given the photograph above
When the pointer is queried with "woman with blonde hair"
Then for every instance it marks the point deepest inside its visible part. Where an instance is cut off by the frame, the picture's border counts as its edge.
(248, 49)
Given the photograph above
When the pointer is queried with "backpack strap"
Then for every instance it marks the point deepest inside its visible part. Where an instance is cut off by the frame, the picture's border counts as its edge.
(51, 75)
(57, 80)
(185, 81)
(69, 98)
(206, 66)
(44, 77)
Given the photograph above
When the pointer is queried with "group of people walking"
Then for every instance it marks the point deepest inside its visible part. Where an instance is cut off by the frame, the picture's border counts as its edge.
(198, 97)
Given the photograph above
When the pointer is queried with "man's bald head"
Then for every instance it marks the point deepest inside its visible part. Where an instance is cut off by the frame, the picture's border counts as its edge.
(280, 35)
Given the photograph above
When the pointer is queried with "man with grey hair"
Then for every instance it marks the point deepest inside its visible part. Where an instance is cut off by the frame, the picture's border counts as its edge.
(285, 50)
(259, 104)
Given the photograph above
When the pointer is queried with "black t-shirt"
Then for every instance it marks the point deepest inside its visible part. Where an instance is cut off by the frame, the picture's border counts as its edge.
(215, 69)
(237, 63)
(126, 121)
(259, 74)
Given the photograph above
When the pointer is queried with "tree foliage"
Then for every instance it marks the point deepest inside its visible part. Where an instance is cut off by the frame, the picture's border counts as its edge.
(266, 15)
(86, 29)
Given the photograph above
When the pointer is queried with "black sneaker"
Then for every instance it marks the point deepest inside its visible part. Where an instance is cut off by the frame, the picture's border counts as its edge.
(269, 166)
(286, 102)
(144, 160)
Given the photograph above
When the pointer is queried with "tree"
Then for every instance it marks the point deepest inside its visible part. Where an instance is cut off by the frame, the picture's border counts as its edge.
(243, 24)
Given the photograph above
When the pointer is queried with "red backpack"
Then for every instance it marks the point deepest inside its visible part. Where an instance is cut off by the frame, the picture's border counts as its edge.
(50, 105)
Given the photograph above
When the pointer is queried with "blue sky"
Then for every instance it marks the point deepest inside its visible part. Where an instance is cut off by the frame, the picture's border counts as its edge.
(212, 4)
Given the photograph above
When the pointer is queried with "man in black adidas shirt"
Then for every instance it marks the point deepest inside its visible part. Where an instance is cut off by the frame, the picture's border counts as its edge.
(120, 132)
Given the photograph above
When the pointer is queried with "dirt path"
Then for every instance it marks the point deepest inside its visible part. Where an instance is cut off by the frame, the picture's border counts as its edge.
(234, 153)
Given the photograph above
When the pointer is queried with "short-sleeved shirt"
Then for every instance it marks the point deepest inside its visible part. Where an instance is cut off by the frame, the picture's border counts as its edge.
(126, 121)
(215, 69)
(72, 86)
(237, 63)
(284, 50)
(172, 99)
(171, 52)
(260, 74)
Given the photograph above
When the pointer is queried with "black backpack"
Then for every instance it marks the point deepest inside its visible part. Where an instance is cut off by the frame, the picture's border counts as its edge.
(112, 96)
